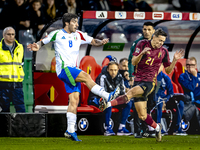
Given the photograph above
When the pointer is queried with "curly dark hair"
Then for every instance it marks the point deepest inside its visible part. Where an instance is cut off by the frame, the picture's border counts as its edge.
(67, 17)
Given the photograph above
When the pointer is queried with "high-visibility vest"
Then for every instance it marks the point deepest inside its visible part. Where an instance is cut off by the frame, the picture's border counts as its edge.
(11, 69)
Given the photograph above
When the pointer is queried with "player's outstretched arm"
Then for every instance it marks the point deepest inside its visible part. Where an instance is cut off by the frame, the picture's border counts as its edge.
(96, 42)
(178, 55)
(35, 46)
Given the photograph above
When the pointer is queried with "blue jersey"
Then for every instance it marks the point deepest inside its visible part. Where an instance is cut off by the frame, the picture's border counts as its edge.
(165, 85)
(190, 83)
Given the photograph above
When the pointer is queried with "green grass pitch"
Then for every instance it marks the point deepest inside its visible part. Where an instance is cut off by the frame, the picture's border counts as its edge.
(190, 142)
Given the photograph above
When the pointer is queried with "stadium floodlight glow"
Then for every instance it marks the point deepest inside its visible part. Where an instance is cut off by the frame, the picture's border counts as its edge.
(122, 35)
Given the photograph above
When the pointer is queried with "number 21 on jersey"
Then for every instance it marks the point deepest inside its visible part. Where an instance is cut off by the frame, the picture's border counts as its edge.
(149, 61)
(70, 43)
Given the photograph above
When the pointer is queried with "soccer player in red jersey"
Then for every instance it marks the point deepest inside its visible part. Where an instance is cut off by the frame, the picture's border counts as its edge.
(147, 58)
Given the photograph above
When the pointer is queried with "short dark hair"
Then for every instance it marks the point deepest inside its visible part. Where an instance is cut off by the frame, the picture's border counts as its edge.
(121, 60)
(148, 23)
(159, 31)
(112, 63)
(67, 17)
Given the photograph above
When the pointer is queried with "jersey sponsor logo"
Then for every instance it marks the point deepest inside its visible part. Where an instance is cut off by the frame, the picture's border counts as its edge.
(63, 37)
(159, 55)
(137, 50)
(83, 124)
(101, 14)
(194, 16)
(120, 15)
(176, 16)
(139, 15)
(157, 15)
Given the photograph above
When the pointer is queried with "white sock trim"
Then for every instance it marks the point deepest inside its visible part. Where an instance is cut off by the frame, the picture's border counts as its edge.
(108, 104)
(121, 126)
(157, 128)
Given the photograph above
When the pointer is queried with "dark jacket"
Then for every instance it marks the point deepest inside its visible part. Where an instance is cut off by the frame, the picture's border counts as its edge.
(132, 49)
(104, 79)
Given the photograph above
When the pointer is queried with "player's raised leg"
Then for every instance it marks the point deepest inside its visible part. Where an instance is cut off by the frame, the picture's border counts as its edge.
(95, 88)
(136, 91)
(72, 116)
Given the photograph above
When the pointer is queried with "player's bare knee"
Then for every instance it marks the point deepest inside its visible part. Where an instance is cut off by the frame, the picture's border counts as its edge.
(72, 103)
(142, 117)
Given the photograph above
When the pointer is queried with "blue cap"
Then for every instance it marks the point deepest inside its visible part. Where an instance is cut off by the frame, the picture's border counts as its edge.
(111, 58)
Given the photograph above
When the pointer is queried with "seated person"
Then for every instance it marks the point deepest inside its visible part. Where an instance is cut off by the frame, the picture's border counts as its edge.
(190, 81)
(164, 83)
(123, 70)
(109, 79)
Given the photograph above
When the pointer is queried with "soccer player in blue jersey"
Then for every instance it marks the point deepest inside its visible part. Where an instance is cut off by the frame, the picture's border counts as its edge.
(67, 43)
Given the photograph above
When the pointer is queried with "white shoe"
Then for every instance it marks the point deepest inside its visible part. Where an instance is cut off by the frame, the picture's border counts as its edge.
(158, 134)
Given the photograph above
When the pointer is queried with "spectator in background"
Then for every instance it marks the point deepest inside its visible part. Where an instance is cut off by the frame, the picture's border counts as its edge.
(21, 15)
(137, 5)
(12, 74)
(51, 10)
(190, 81)
(162, 98)
(71, 6)
(110, 79)
(37, 17)
(123, 70)
(18, 17)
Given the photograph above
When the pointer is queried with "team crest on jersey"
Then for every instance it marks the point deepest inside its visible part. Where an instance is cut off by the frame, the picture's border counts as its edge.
(159, 54)
(137, 50)
(75, 38)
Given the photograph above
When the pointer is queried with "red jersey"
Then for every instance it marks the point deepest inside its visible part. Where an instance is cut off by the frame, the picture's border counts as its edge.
(147, 68)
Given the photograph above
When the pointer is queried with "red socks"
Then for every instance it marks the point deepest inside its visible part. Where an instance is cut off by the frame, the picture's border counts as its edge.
(150, 121)
(119, 100)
